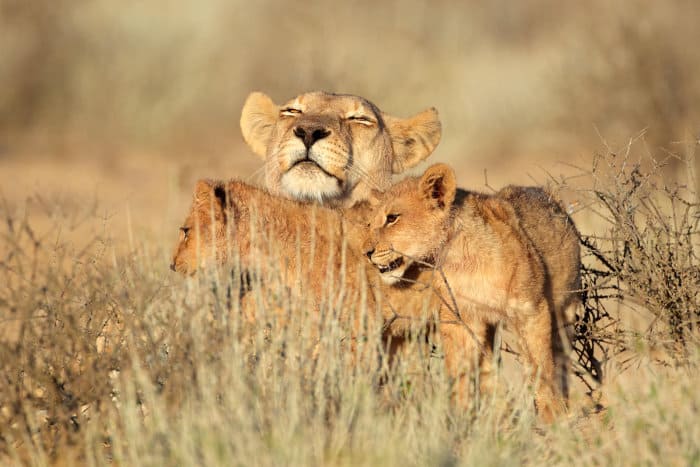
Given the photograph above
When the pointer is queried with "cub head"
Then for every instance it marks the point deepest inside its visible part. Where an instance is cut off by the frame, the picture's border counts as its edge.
(334, 148)
(203, 233)
(410, 222)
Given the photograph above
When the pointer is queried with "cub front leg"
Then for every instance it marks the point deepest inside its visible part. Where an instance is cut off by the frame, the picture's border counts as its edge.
(466, 347)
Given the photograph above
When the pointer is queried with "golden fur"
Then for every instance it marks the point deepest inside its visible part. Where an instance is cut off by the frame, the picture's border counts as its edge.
(511, 257)
(334, 148)
(310, 249)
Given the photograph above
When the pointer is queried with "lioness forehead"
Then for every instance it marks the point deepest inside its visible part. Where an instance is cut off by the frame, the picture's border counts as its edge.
(325, 101)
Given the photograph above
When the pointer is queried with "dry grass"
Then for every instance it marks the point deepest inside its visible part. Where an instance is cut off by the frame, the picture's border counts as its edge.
(110, 358)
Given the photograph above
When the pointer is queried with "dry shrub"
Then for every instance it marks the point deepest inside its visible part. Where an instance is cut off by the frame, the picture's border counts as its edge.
(64, 305)
(642, 258)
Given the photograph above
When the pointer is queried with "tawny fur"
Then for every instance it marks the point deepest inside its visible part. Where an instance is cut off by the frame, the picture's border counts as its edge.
(510, 257)
(334, 148)
(310, 249)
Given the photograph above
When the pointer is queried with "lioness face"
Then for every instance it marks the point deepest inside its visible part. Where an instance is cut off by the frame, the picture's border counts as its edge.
(409, 223)
(334, 148)
(203, 232)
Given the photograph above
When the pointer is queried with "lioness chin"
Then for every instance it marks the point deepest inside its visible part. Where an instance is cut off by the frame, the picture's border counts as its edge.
(511, 257)
(334, 148)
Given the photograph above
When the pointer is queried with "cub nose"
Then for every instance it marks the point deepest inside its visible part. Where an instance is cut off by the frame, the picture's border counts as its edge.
(369, 253)
(172, 266)
(309, 134)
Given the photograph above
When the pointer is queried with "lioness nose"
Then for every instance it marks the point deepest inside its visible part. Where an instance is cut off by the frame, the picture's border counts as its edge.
(172, 266)
(309, 134)
(369, 253)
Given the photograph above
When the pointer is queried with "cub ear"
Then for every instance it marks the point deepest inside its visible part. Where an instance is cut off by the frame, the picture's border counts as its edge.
(438, 185)
(413, 139)
(203, 189)
(210, 197)
(258, 119)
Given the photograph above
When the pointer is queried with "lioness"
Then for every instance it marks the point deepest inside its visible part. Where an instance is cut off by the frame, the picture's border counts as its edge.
(334, 148)
(513, 256)
(314, 252)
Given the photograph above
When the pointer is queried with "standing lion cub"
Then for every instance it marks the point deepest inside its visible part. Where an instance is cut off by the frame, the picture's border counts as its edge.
(511, 257)
(334, 149)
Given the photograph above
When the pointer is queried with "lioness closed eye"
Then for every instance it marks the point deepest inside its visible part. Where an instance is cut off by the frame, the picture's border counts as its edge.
(513, 256)
(334, 148)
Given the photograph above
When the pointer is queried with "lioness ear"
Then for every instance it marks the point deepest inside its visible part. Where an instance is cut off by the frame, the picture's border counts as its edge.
(438, 185)
(258, 119)
(413, 139)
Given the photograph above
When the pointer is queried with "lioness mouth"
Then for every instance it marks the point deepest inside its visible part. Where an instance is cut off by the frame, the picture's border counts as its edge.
(313, 163)
(305, 160)
(391, 266)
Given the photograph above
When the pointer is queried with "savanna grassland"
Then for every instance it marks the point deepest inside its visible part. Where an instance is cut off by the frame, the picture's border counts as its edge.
(109, 111)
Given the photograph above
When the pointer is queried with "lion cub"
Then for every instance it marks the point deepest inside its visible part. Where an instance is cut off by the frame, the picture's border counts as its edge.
(509, 257)
(310, 251)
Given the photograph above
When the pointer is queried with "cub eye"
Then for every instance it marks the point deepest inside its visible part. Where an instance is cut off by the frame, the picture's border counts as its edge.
(361, 119)
(391, 219)
(185, 231)
(289, 112)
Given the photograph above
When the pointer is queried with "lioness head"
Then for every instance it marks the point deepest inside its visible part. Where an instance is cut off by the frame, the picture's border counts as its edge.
(410, 220)
(334, 148)
(203, 234)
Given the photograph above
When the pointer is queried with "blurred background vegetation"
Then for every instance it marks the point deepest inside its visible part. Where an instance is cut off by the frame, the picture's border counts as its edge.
(131, 101)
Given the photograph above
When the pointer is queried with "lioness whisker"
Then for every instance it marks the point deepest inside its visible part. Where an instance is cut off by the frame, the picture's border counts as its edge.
(356, 169)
